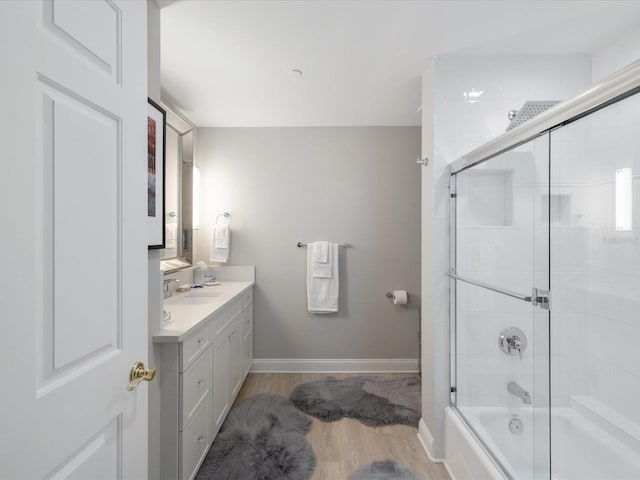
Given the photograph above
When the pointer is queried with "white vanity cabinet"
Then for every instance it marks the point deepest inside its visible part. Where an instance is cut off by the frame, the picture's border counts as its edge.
(221, 376)
(246, 333)
(201, 369)
(231, 361)
(194, 431)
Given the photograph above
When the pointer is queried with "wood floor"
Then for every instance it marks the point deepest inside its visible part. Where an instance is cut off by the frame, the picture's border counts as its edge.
(344, 446)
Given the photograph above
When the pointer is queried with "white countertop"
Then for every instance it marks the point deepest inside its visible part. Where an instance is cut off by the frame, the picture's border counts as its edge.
(186, 317)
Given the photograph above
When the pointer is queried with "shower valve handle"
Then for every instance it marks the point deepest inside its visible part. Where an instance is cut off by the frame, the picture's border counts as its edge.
(515, 344)
(512, 340)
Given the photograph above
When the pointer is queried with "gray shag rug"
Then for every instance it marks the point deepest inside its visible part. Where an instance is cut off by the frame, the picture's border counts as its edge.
(384, 470)
(263, 438)
(373, 400)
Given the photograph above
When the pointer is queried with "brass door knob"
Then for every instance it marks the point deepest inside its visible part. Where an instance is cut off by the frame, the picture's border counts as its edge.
(139, 373)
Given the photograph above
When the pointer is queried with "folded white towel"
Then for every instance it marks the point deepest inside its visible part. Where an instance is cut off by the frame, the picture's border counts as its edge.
(322, 292)
(322, 252)
(322, 264)
(220, 254)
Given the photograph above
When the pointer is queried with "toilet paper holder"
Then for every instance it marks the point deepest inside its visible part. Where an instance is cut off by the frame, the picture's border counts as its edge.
(398, 297)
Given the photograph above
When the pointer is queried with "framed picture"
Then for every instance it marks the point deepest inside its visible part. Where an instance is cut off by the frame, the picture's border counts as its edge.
(156, 132)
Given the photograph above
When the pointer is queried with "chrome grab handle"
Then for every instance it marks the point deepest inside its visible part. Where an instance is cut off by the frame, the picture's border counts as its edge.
(540, 298)
(524, 298)
(138, 374)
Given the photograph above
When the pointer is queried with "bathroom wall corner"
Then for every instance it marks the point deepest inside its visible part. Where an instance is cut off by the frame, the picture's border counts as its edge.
(429, 388)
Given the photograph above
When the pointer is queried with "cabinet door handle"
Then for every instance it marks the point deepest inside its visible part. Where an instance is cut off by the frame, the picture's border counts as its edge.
(200, 439)
(200, 382)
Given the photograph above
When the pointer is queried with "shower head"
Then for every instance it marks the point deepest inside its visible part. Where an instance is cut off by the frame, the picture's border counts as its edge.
(527, 112)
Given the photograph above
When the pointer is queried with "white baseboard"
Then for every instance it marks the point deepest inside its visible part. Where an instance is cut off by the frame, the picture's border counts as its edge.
(426, 439)
(449, 471)
(337, 365)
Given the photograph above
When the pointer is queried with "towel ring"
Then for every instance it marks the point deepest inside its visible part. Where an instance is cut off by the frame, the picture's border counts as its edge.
(225, 215)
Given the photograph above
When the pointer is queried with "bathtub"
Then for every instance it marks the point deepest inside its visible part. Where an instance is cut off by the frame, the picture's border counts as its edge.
(581, 450)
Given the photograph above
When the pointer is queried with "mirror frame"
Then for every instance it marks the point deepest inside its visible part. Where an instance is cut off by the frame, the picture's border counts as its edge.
(185, 130)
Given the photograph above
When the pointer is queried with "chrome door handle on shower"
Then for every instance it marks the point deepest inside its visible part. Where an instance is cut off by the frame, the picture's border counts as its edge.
(503, 291)
(540, 298)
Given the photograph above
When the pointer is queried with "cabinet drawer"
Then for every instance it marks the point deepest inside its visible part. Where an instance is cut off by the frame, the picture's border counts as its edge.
(246, 322)
(193, 346)
(195, 385)
(247, 297)
(223, 317)
(194, 443)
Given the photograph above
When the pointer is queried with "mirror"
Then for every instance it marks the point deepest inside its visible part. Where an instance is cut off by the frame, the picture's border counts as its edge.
(178, 191)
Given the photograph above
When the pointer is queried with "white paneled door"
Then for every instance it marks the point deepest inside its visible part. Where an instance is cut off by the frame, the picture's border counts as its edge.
(73, 286)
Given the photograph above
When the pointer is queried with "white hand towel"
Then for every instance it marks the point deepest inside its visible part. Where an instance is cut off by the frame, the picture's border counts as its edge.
(322, 265)
(171, 235)
(322, 293)
(322, 252)
(221, 235)
(220, 254)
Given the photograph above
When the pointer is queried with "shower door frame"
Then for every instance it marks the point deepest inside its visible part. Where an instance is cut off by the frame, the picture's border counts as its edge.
(538, 297)
(622, 84)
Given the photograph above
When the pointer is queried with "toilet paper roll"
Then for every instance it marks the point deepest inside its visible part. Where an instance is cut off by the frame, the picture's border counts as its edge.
(400, 297)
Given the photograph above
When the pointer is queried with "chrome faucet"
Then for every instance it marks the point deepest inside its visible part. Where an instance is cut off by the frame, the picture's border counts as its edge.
(166, 286)
(519, 392)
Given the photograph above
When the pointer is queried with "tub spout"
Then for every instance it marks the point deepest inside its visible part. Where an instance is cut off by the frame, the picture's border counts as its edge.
(519, 392)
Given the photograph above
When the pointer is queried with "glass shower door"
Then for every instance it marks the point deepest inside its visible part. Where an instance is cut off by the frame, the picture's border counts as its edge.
(595, 278)
(501, 361)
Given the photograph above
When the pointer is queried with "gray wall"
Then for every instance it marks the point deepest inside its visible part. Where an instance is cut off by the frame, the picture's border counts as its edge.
(349, 184)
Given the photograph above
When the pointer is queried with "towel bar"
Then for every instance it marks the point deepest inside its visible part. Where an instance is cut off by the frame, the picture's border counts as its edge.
(345, 245)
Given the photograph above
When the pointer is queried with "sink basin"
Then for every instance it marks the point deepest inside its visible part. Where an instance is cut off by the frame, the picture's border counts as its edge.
(199, 299)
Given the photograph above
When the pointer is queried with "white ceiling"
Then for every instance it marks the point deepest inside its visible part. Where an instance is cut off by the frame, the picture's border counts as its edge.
(228, 63)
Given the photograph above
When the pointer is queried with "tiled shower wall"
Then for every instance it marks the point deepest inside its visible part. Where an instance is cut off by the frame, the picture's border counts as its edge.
(471, 98)
(473, 95)
(509, 251)
(597, 276)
